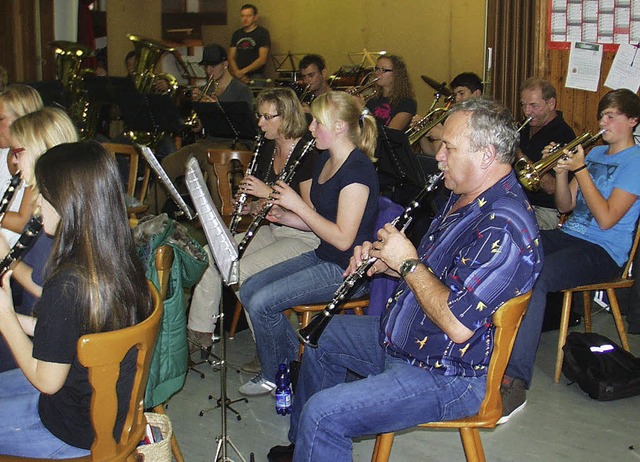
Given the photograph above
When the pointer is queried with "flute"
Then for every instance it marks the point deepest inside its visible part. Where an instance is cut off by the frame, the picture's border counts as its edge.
(242, 197)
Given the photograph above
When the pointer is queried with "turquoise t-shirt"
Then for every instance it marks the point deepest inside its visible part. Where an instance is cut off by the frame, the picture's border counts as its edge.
(620, 170)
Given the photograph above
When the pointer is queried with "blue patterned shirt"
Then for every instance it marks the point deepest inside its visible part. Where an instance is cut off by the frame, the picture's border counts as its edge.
(486, 253)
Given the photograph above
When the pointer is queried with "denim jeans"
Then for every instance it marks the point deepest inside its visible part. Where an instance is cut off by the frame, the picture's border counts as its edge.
(21, 431)
(568, 262)
(328, 413)
(265, 295)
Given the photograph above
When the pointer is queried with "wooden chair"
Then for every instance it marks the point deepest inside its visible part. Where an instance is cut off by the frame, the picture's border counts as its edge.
(624, 281)
(136, 170)
(506, 321)
(163, 262)
(221, 160)
(102, 354)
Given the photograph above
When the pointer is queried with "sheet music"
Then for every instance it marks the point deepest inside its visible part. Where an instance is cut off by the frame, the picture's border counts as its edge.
(171, 189)
(222, 245)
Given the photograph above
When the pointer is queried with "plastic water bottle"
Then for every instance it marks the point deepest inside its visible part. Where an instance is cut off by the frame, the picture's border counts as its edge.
(283, 390)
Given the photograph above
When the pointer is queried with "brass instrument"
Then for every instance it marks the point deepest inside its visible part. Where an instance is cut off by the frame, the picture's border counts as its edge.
(307, 97)
(242, 197)
(14, 182)
(148, 53)
(433, 118)
(524, 123)
(360, 90)
(286, 175)
(529, 173)
(311, 334)
(192, 120)
(68, 57)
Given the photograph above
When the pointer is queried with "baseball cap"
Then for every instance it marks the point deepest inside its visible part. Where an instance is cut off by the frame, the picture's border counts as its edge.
(213, 54)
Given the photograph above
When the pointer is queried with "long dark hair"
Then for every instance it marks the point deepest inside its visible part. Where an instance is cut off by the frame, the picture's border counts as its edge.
(93, 240)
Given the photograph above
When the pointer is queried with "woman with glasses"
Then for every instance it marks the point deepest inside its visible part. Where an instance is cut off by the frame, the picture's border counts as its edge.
(394, 105)
(282, 120)
(342, 212)
(593, 244)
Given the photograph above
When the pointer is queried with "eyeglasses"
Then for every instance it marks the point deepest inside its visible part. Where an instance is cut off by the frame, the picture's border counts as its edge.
(266, 117)
(382, 69)
(17, 151)
(609, 116)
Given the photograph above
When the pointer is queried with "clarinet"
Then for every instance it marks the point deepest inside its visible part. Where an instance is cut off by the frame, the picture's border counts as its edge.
(14, 182)
(25, 241)
(242, 197)
(310, 334)
(286, 175)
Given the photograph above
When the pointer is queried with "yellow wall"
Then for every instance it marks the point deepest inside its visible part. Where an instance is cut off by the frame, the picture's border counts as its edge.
(439, 38)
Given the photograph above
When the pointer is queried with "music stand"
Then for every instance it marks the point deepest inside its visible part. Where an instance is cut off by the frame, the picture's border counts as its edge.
(225, 253)
(231, 120)
(51, 91)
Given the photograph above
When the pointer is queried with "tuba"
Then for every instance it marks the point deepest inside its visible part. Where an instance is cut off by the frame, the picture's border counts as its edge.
(529, 174)
(68, 57)
(148, 53)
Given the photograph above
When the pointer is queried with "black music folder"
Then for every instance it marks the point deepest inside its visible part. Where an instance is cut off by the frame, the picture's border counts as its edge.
(232, 120)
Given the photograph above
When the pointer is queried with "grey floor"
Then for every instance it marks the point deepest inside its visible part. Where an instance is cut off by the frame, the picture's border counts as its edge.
(559, 423)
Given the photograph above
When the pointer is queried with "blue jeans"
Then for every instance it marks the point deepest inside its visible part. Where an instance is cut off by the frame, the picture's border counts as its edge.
(265, 295)
(568, 262)
(328, 413)
(21, 431)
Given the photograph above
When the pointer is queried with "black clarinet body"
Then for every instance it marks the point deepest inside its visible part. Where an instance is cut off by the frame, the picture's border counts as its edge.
(310, 334)
(286, 175)
(14, 182)
(242, 197)
(25, 241)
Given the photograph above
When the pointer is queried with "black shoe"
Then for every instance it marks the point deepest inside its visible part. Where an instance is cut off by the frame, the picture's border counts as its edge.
(281, 453)
(514, 397)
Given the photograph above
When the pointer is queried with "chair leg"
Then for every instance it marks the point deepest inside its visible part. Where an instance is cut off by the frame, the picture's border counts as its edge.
(472, 444)
(617, 317)
(235, 320)
(175, 447)
(586, 302)
(382, 449)
(562, 336)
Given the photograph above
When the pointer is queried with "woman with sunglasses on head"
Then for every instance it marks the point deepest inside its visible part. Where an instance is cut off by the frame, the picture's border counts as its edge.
(15, 101)
(394, 105)
(283, 123)
(95, 283)
(342, 213)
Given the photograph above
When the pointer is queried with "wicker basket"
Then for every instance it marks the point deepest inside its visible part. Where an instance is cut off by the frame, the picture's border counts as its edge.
(161, 451)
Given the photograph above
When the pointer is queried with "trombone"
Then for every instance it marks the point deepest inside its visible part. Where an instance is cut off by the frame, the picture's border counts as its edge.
(359, 90)
(529, 173)
(434, 117)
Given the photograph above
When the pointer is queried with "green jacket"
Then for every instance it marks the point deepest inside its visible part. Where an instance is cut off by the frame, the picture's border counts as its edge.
(170, 360)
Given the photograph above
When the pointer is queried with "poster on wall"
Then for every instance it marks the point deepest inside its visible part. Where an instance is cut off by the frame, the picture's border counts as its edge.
(607, 22)
(625, 70)
(583, 72)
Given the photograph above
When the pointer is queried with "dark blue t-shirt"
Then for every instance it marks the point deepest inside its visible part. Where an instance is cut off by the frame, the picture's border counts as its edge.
(356, 169)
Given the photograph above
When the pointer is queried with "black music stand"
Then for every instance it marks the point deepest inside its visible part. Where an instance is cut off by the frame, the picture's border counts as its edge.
(229, 120)
(51, 91)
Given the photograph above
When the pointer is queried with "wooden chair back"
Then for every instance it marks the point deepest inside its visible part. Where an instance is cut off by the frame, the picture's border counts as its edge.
(101, 354)
(506, 320)
(137, 169)
(221, 159)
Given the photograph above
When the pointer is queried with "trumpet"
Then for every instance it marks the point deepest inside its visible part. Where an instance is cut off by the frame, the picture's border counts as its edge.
(360, 89)
(311, 334)
(424, 125)
(524, 123)
(307, 97)
(242, 197)
(529, 173)
(286, 175)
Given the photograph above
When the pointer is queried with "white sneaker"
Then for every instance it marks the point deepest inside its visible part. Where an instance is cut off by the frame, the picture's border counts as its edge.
(257, 386)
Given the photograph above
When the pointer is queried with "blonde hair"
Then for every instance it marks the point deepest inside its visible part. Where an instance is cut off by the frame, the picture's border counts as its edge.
(41, 130)
(338, 105)
(294, 122)
(20, 100)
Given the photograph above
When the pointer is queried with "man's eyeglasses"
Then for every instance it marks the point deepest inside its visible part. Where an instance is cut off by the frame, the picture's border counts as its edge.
(382, 69)
(266, 117)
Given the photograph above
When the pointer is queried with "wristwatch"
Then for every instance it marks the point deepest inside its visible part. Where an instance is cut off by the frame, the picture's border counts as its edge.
(408, 266)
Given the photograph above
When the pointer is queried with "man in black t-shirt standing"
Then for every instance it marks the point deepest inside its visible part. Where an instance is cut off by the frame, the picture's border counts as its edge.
(249, 47)
(538, 100)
